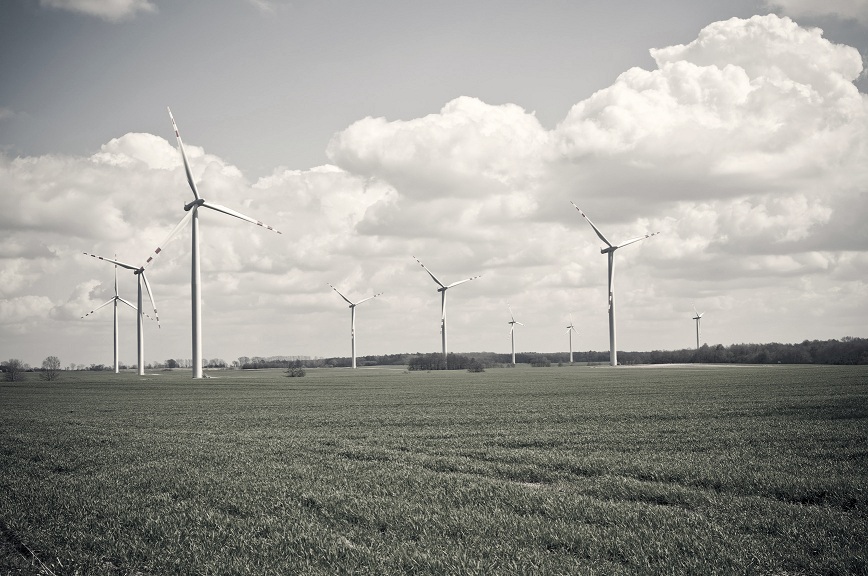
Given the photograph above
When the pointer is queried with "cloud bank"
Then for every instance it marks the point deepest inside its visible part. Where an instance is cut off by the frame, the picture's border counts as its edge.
(744, 147)
(109, 10)
(844, 9)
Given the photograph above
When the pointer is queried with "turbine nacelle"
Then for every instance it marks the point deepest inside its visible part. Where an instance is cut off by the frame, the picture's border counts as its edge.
(197, 202)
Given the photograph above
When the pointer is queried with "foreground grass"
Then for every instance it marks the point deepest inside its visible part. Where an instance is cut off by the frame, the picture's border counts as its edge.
(513, 471)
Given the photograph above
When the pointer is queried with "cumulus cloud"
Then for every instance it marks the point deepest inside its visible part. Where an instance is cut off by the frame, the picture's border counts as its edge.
(110, 10)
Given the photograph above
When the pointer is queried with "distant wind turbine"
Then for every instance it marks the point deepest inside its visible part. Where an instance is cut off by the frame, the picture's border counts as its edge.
(139, 271)
(114, 300)
(512, 322)
(353, 317)
(192, 210)
(610, 251)
(443, 288)
(698, 319)
(570, 330)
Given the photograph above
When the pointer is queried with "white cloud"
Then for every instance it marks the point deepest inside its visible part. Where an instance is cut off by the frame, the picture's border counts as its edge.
(110, 10)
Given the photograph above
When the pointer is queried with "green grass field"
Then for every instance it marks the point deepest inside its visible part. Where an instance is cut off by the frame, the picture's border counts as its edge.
(562, 470)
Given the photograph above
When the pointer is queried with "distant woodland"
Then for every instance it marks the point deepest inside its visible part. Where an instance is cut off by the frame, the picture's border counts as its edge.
(847, 350)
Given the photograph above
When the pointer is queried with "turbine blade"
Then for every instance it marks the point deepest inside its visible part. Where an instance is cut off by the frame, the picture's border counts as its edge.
(130, 304)
(231, 212)
(369, 298)
(178, 227)
(597, 230)
(433, 277)
(638, 238)
(462, 281)
(98, 307)
(151, 296)
(115, 262)
(341, 295)
(184, 156)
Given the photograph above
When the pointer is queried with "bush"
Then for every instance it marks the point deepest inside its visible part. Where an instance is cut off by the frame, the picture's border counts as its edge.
(296, 370)
(14, 369)
(475, 366)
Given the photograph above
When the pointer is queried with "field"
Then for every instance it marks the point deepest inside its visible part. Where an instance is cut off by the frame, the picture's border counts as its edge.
(561, 470)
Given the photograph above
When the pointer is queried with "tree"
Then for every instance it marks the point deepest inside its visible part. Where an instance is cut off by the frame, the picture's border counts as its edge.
(296, 370)
(50, 368)
(14, 369)
(171, 363)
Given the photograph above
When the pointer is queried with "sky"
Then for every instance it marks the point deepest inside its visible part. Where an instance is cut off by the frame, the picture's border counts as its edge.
(455, 132)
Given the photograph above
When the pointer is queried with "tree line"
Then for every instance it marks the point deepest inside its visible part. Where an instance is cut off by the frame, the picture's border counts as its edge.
(846, 351)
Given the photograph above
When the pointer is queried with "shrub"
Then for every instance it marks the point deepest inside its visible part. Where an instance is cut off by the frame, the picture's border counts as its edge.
(296, 370)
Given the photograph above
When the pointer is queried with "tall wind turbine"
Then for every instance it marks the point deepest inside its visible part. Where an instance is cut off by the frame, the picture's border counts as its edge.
(114, 300)
(139, 271)
(570, 330)
(512, 322)
(353, 317)
(192, 210)
(698, 319)
(443, 288)
(610, 251)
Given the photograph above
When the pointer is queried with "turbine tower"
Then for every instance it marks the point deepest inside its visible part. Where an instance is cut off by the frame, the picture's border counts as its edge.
(353, 318)
(512, 322)
(114, 300)
(192, 210)
(570, 330)
(698, 319)
(139, 271)
(443, 288)
(610, 251)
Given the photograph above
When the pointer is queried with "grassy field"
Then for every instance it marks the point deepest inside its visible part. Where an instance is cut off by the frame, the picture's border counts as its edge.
(562, 470)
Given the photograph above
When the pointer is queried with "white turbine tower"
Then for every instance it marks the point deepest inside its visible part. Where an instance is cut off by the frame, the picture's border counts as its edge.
(139, 271)
(610, 251)
(192, 210)
(512, 322)
(443, 288)
(114, 300)
(698, 319)
(570, 330)
(353, 317)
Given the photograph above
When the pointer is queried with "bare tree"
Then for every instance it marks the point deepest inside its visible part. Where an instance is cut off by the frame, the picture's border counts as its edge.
(50, 368)
(14, 369)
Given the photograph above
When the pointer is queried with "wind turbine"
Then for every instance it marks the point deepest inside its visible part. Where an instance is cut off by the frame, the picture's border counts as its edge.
(139, 271)
(192, 210)
(114, 300)
(570, 330)
(512, 324)
(443, 288)
(698, 319)
(610, 251)
(353, 317)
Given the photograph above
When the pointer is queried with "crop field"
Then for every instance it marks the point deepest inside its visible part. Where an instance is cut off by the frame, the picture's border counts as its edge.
(562, 470)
